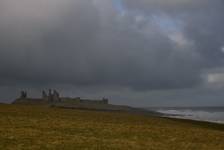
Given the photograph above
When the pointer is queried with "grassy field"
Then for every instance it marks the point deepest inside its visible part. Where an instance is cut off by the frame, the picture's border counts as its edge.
(39, 127)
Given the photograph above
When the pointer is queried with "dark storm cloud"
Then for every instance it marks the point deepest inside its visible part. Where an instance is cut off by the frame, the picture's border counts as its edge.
(90, 43)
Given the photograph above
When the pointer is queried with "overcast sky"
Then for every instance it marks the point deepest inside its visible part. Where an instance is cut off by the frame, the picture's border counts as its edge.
(135, 52)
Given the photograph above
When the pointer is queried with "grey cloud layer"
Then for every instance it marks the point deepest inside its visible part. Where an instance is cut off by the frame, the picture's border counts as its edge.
(88, 43)
(201, 20)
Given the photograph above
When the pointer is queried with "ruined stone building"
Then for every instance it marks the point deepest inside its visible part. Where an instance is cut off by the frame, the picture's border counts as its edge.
(53, 96)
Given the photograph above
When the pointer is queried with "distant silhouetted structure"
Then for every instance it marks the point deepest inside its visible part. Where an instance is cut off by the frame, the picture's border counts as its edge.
(23, 94)
(56, 96)
(53, 97)
(44, 95)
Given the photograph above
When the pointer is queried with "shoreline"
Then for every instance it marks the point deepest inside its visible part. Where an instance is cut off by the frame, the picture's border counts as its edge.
(200, 120)
(196, 115)
(201, 123)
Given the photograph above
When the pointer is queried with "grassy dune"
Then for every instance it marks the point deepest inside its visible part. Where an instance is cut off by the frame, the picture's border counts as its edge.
(39, 127)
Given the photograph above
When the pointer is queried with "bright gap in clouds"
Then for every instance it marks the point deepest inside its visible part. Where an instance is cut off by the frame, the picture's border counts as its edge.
(172, 28)
(222, 49)
(119, 6)
(166, 23)
(216, 79)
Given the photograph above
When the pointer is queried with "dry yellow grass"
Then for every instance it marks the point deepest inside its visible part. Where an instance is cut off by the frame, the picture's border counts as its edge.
(36, 127)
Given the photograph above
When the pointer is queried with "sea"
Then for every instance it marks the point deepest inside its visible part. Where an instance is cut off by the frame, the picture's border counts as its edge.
(209, 114)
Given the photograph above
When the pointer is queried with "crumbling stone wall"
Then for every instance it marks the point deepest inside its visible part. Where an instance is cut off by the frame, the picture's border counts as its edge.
(54, 97)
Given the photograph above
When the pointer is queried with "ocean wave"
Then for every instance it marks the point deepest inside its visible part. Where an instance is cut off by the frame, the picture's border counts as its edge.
(199, 115)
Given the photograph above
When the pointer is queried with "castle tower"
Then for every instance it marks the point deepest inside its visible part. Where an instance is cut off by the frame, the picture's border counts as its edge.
(105, 101)
(44, 96)
(50, 96)
(23, 95)
(56, 96)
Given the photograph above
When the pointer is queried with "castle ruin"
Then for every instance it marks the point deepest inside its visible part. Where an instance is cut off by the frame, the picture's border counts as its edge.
(53, 96)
